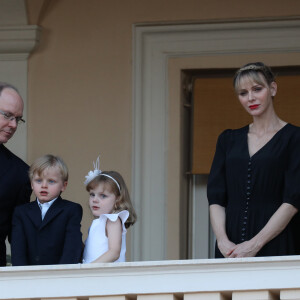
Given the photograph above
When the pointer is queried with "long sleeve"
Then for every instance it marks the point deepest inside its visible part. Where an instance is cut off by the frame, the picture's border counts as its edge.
(18, 241)
(292, 173)
(216, 187)
(23, 196)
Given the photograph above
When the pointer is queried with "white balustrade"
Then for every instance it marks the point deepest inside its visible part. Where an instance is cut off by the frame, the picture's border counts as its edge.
(269, 278)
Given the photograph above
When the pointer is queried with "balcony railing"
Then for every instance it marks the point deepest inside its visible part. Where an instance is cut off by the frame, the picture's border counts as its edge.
(246, 278)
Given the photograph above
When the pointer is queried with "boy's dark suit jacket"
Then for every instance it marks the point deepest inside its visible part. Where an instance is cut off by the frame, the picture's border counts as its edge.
(15, 189)
(55, 240)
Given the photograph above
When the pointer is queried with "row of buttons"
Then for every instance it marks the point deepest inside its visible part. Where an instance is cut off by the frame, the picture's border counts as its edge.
(248, 194)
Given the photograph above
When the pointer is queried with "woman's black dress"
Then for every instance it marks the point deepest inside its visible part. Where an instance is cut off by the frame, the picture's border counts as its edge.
(252, 188)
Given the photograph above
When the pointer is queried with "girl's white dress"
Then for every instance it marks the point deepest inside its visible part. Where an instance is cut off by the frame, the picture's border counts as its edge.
(97, 242)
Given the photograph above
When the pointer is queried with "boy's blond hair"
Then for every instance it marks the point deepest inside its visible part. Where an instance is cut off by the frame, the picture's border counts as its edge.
(48, 161)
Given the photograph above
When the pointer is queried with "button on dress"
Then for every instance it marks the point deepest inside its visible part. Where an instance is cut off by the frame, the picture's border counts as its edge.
(252, 188)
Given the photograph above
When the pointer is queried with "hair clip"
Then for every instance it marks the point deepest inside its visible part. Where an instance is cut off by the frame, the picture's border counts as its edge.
(250, 67)
(96, 172)
(92, 174)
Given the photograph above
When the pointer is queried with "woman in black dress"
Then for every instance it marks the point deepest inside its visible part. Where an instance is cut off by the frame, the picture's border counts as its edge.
(254, 183)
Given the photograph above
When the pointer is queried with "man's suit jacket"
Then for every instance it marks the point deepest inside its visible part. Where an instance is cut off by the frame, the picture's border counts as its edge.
(56, 239)
(15, 189)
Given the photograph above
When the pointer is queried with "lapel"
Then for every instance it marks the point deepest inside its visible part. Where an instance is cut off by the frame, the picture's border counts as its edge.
(55, 209)
(4, 160)
(34, 213)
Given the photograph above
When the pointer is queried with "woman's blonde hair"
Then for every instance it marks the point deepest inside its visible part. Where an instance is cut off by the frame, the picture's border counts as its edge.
(123, 199)
(254, 71)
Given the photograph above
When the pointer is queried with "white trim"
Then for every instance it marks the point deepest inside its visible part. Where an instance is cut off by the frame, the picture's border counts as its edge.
(140, 278)
(153, 46)
(16, 42)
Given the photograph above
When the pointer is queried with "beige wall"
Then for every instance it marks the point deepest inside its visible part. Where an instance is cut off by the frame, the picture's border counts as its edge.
(80, 76)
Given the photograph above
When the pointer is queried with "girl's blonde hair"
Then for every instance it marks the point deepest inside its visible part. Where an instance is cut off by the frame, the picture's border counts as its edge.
(123, 199)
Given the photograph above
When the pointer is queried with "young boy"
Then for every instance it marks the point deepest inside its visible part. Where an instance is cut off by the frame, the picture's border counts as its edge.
(47, 230)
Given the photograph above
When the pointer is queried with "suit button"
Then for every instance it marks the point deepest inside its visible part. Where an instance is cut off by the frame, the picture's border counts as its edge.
(37, 258)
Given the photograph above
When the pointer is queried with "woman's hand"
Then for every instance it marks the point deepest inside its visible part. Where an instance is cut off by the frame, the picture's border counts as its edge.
(274, 226)
(226, 247)
(217, 217)
(245, 249)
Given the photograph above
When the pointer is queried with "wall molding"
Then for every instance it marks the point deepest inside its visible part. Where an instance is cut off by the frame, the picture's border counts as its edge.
(153, 46)
(17, 42)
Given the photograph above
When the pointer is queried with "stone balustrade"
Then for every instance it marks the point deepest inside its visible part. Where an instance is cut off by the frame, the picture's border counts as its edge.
(210, 279)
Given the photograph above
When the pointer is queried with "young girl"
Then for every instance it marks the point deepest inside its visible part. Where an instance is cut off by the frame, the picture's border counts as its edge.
(111, 206)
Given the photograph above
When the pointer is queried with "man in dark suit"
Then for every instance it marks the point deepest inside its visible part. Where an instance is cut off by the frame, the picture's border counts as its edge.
(47, 231)
(14, 182)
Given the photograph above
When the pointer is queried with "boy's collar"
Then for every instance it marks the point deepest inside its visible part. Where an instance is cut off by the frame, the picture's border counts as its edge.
(49, 202)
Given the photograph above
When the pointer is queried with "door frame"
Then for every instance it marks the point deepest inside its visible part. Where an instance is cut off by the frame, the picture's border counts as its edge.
(153, 47)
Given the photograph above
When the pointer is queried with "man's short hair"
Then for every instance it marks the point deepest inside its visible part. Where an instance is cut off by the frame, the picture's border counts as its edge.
(4, 85)
(48, 161)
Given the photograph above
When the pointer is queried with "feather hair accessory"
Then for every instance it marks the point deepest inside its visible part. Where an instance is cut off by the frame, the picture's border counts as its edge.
(96, 172)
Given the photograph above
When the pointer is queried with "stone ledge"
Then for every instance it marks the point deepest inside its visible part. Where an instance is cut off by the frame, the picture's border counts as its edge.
(151, 277)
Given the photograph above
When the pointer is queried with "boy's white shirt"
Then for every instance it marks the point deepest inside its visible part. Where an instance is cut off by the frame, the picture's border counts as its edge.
(45, 206)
